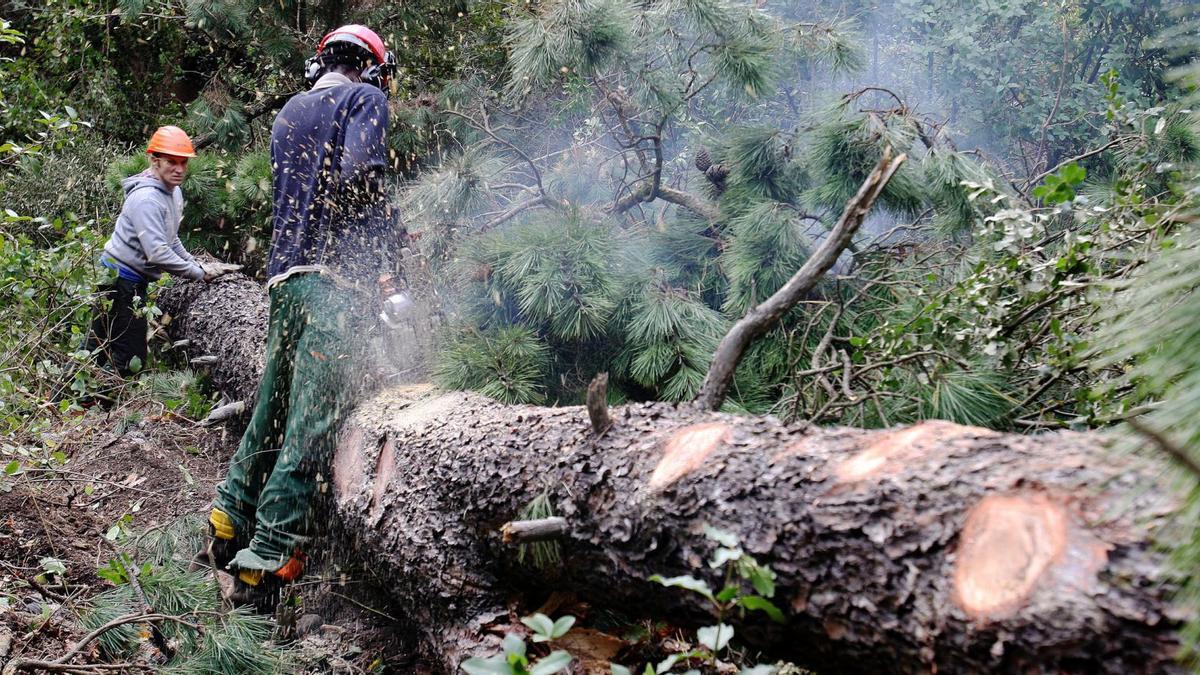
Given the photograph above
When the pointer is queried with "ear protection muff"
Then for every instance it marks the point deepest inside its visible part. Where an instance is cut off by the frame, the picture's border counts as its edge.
(380, 74)
(312, 69)
(377, 74)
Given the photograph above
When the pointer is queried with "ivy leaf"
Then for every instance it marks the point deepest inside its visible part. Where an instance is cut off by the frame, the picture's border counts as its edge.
(493, 665)
(666, 664)
(715, 637)
(1073, 174)
(726, 539)
(562, 626)
(689, 582)
(53, 565)
(724, 555)
(760, 576)
(553, 663)
(761, 604)
(541, 625)
(513, 645)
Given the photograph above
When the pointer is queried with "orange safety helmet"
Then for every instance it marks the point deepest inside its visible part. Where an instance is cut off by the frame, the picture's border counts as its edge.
(171, 140)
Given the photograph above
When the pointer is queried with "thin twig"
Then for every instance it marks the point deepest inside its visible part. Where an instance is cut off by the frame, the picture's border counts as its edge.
(1166, 445)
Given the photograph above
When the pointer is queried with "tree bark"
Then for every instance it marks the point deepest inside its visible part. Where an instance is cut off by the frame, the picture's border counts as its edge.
(226, 318)
(931, 547)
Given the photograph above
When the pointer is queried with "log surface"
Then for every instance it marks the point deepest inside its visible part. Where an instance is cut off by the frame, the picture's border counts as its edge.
(931, 547)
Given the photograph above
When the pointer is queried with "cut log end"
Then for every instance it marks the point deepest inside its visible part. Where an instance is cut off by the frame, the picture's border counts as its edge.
(1012, 542)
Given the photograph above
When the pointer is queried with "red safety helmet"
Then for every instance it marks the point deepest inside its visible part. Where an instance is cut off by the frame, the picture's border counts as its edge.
(378, 73)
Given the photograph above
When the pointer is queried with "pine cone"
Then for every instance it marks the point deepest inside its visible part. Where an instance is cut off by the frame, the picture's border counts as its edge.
(717, 173)
(703, 161)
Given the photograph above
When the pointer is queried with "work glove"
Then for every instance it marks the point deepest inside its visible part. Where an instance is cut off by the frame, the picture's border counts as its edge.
(212, 270)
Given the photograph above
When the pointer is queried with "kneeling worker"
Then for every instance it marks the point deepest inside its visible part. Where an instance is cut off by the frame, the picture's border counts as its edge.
(144, 245)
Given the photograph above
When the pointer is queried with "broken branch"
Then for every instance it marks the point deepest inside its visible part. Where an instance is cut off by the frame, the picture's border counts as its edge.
(759, 319)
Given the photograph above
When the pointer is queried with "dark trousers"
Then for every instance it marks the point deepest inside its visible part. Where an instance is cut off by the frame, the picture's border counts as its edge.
(117, 330)
(283, 462)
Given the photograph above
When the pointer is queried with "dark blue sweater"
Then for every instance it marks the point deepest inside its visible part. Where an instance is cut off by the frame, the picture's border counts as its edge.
(330, 208)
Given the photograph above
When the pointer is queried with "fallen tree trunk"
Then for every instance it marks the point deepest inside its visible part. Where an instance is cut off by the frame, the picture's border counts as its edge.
(932, 547)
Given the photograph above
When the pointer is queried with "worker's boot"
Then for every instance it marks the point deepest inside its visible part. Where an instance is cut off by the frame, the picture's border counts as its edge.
(220, 546)
(262, 590)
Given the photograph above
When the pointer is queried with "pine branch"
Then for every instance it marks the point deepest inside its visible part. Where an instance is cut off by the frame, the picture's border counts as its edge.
(756, 322)
(687, 200)
(253, 112)
(513, 211)
(60, 664)
(487, 129)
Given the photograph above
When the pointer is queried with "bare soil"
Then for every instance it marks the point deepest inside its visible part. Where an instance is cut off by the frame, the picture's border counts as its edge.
(146, 467)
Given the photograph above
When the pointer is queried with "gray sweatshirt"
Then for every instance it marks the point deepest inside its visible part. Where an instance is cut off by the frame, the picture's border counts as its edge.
(146, 238)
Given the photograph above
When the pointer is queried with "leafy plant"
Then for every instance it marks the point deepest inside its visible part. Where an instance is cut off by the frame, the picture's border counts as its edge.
(739, 568)
(514, 660)
(1060, 187)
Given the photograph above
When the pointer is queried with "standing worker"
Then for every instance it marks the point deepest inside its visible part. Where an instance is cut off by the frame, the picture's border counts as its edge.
(333, 249)
(145, 244)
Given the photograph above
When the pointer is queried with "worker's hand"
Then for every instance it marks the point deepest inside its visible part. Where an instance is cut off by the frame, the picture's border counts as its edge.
(212, 270)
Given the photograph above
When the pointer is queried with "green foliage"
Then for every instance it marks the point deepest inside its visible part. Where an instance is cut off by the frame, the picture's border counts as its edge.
(62, 182)
(179, 391)
(944, 174)
(845, 148)
(669, 340)
(975, 397)
(541, 555)
(207, 639)
(573, 36)
(515, 660)
(739, 568)
(556, 273)
(48, 291)
(1060, 187)
(249, 201)
(768, 243)
(509, 364)
(760, 166)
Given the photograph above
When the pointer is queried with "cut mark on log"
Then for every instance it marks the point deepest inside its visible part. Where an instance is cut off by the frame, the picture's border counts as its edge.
(430, 409)
(888, 451)
(687, 450)
(1007, 545)
(348, 470)
(385, 467)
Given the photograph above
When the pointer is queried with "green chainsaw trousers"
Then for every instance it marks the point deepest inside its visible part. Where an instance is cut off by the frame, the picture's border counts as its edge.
(274, 477)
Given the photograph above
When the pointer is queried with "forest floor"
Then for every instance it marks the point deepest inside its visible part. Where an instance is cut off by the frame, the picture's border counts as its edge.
(140, 467)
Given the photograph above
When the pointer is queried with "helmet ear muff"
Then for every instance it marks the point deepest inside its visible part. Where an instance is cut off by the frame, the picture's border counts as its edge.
(312, 69)
(380, 74)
